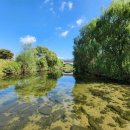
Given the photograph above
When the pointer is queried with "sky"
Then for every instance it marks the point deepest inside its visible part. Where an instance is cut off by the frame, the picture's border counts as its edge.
(50, 23)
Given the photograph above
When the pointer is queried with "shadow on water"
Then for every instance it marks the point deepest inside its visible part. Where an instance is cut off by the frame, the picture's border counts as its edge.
(54, 101)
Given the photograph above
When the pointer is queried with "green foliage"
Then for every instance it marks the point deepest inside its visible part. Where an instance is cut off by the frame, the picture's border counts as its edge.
(34, 86)
(42, 64)
(32, 60)
(67, 68)
(6, 54)
(55, 74)
(27, 60)
(31, 85)
(59, 64)
(51, 58)
(12, 68)
(3, 63)
(103, 45)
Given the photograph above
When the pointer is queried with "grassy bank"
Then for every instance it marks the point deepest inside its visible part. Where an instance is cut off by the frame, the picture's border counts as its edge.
(68, 68)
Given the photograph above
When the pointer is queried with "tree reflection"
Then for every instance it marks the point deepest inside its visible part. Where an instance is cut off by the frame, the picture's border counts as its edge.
(32, 87)
(35, 87)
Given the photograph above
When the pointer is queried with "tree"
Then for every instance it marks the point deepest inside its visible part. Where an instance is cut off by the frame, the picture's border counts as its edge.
(12, 68)
(6, 54)
(42, 64)
(27, 60)
(103, 45)
(51, 57)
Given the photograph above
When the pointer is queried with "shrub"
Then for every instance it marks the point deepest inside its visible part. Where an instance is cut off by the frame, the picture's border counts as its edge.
(12, 68)
(6, 54)
(42, 64)
(27, 60)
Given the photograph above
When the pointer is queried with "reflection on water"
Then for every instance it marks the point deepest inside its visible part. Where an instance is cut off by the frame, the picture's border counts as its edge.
(47, 102)
(34, 87)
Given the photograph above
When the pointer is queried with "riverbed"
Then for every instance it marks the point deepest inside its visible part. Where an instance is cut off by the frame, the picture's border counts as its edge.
(44, 103)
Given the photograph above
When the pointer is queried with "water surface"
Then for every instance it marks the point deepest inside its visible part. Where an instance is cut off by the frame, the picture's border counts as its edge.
(44, 103)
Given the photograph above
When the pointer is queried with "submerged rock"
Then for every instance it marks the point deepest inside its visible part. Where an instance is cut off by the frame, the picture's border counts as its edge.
(46, 110)
(99, 120)
(4, 120)
(80, 99)
(126, 115)
(73, 116)
(104, 111)
(112, 125)
(58, 114)
(122, 123)
(116, 109)
(76, 127)
(93, 124)
(57, 128)
(45, 122)
(100, 93)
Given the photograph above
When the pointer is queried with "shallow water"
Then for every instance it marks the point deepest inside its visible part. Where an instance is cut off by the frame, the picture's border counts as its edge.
(42, 103)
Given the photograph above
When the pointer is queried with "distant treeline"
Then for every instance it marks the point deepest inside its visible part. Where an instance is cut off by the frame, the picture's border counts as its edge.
(103, 46)
(29, 61)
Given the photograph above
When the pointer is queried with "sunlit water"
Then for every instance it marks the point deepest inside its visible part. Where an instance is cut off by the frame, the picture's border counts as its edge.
(41, 103)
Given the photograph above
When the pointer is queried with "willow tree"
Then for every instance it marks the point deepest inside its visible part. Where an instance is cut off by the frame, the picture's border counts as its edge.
(103, 45)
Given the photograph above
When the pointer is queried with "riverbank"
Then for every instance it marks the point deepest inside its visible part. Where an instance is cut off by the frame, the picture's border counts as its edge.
(101, 78)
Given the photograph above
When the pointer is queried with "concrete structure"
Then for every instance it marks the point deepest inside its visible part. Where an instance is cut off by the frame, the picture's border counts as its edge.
(68, 62)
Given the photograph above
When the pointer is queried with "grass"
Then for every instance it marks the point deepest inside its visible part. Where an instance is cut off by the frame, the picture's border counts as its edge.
(68, 68)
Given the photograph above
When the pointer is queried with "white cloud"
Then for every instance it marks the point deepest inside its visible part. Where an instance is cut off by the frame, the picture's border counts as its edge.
(70, 5)
(79, 21)
(63, 4)
(72, 26)
(52, 10)
(46, 1)
(65, 33)
(27, 39)
(58, 28)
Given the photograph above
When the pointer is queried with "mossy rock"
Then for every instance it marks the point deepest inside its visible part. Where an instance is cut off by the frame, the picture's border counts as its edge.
(45, 122)
(112, 125)
(74, 116)
(80, 99)
(76, 127)
(116, 109)
(58, 114)
(45, 110)
(83, 110)
(128, 104)
(104, 111)
(57, 128)
(122, 123)
(101, 94)
(93, 124)
(99, 120)
(126, 115)
(76, 110)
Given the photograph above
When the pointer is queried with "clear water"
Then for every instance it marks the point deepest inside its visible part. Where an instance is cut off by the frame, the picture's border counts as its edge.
(42, 103)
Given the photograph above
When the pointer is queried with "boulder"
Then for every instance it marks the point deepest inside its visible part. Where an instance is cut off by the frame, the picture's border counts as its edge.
(45, 110)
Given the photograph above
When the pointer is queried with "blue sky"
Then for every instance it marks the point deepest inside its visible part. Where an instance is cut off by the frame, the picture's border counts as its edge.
(50, 23)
